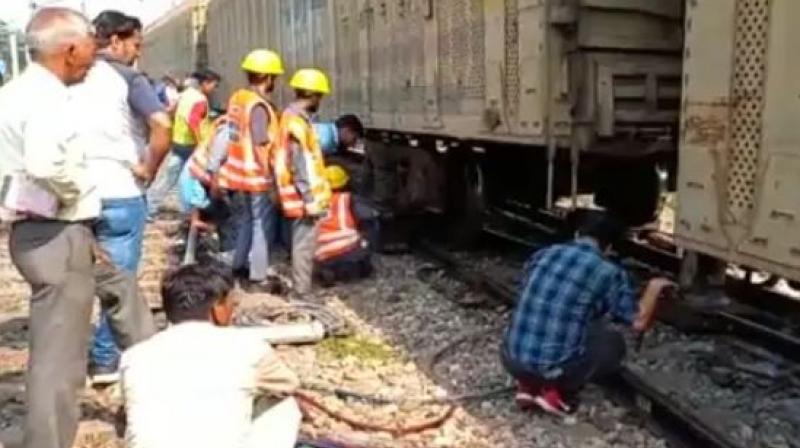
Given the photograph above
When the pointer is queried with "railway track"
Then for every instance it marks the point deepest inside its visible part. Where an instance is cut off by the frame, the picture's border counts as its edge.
(678, 415)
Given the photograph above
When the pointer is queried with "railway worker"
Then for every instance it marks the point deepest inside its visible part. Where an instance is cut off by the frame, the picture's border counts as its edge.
(191, 120)
(197, 383)
(342, 252)
(208, 207)
(54, 251)
(300, 173)
(350, 134)
(126, 133)
(254, 124)
(556, 341)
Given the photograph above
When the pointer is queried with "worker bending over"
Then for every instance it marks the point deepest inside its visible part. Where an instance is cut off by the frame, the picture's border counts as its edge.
(191, 120)
(207, 207)
(195, 384)
(300, 173)
(342, 252)
(254, 124)
(557, 341)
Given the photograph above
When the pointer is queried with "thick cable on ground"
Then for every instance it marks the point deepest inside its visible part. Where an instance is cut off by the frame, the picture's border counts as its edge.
(396, 431)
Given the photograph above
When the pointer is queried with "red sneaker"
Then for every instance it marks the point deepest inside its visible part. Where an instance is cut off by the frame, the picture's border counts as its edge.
(526, 396)
(550, 400)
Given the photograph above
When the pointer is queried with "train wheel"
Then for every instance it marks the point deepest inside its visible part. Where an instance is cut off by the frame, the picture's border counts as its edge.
(466, 183)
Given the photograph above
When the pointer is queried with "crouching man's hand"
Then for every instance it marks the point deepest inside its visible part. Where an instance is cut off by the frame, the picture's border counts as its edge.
(656, 288)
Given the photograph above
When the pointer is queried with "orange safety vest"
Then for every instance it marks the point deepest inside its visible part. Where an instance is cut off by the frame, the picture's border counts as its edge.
(198, 162)
(338, 234)
(246, 168)
(295, 126)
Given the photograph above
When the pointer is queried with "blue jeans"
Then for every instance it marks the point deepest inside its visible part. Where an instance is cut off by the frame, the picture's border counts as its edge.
(167, 177)
(255, 213)
(120, 231)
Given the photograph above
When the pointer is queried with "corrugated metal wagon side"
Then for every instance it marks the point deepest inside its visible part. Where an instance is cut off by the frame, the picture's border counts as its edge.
(740, 148)
(170, 44)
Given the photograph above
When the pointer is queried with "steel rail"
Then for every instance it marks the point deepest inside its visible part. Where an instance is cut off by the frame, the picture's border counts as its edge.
(666, 416)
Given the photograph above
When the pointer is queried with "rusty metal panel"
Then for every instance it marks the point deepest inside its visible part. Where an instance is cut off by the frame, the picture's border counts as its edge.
(740, 151)
(708, 62)
(774, 232)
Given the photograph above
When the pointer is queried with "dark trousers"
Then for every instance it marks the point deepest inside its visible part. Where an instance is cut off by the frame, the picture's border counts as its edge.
(353, 264)
(55, 259)
(605, 350)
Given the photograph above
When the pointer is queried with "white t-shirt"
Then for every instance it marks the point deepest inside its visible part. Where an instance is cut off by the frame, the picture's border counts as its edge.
(114, 103)
(194, 384)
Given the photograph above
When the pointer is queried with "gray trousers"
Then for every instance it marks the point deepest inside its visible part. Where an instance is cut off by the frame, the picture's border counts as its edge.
(605, 350)
(304, 244)
(56, 259)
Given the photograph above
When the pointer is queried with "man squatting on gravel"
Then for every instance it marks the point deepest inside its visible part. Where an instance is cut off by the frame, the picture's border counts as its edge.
(557, 340)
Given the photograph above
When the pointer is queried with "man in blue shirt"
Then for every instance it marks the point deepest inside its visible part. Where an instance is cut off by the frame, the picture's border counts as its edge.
(556, 341)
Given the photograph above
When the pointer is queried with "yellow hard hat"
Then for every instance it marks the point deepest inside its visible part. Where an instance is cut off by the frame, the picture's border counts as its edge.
(336, 176)
(265, 62)
(312, 80)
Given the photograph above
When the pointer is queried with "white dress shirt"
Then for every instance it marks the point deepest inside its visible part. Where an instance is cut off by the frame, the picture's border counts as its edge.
(38, 130)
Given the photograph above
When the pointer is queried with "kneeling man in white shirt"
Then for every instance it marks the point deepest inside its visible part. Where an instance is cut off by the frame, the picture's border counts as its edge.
(196, 383)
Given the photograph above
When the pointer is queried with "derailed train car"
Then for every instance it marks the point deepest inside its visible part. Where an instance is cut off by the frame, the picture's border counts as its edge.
(522, 102)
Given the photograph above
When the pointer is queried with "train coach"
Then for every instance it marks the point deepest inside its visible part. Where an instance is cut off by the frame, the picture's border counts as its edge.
(521, 103)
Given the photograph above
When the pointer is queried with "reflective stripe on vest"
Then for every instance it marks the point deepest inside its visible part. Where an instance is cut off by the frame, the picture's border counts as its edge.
(198, 162)
(295, 126)
(337, 231)
(245, 167)
(182, 133)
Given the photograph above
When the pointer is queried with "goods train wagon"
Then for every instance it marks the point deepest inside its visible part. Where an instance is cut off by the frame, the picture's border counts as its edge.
(521, 102)
(171, 43)
(506, 86)
(739, 182)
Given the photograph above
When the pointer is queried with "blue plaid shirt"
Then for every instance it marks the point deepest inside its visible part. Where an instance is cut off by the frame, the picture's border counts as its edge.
(566, 287)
